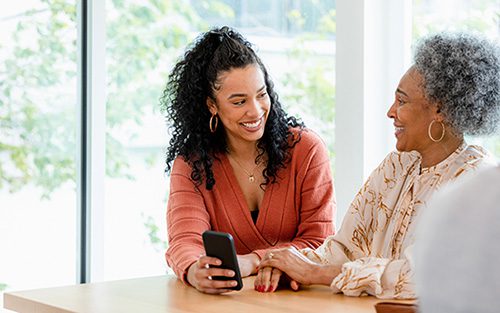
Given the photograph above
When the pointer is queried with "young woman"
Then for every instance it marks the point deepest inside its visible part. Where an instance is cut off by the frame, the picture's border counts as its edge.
(238, 163)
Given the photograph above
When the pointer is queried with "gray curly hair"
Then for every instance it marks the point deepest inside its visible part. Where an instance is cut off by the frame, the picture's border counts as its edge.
(462, 73)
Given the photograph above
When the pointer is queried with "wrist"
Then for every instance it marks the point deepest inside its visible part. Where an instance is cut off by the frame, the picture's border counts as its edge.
(255, 259)
(252, 261)
(324, 274)
(188, 275)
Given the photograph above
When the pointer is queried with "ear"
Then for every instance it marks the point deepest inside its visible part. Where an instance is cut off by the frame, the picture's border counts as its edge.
(212, 106)
(438, 115)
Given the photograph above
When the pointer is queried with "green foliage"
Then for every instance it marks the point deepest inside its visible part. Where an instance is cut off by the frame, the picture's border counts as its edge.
(475, 16)
(3, 287)
(152, 228)
(328, 24)
(38, 82)
(309, 83)
(38, 85)
(36, 108)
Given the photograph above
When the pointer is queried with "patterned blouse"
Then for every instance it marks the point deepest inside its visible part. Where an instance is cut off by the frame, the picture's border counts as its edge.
(374, 242)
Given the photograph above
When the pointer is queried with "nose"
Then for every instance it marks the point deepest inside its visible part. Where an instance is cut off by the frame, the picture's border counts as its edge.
(254, 108)
(392, 111)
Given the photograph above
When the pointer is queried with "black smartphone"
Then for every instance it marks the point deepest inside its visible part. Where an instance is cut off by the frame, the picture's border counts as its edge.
(221, 245)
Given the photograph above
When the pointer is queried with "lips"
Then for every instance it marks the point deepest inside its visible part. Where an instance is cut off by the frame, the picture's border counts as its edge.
(398, 130)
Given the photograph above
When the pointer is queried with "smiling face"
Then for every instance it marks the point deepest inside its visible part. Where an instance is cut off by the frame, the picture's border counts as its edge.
(412, 113)
(242, 104)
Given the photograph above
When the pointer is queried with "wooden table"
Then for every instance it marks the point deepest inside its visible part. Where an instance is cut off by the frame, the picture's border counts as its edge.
(166, 294)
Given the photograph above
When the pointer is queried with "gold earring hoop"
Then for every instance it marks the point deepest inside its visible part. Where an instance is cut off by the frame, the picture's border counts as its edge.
(210, 123)
(430, 134)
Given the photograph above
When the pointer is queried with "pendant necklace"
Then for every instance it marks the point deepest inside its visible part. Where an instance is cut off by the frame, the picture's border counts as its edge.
(251, 176)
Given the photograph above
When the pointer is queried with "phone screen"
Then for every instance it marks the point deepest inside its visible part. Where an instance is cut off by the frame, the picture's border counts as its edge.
(220, 245)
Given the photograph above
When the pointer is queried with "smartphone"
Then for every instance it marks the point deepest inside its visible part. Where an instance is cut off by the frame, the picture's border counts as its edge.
(221, 245)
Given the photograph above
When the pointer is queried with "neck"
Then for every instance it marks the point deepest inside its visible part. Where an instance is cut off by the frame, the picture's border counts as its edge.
(243, 150)
(439, 151)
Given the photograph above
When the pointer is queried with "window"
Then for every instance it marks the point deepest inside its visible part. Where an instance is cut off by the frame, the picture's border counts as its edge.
(38, 95)
(296, 42)
(38, 121)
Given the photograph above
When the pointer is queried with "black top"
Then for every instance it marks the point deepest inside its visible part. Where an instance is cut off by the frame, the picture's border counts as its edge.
(254, 214)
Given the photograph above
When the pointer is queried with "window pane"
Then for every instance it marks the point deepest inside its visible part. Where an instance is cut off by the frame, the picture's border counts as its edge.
(144, 39)
(37, 144)
(460, 15)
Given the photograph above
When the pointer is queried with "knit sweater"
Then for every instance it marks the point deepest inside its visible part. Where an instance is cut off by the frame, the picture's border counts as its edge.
(297, 210)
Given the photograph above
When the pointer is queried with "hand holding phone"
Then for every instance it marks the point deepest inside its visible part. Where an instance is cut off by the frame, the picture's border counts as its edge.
(221, 245)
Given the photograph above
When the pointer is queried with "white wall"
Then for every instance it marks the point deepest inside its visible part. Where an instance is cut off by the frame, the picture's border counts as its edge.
(373, 51)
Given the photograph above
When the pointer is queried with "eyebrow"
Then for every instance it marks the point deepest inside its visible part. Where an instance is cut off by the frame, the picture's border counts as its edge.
(235, 95)
(402, 92)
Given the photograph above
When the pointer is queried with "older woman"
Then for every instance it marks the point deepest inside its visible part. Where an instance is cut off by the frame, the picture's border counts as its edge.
(452, 89)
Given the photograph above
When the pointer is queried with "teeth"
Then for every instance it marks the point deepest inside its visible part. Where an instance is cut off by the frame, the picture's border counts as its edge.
(399, 128)
(252, 125)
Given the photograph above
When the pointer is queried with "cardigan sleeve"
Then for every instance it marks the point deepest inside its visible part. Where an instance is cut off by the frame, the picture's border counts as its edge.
(187, 218)
(316, 196)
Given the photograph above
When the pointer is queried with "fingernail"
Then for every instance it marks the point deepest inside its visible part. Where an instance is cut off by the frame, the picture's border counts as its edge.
(261, 288)
(233, 283)
(230, 273)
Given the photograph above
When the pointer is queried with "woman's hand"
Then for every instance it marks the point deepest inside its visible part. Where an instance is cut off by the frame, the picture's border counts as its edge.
(268, 279)
(296, 266)
(248, 264)
(200, 276)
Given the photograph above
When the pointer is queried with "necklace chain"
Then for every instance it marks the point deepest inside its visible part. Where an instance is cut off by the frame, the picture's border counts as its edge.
(251, 176)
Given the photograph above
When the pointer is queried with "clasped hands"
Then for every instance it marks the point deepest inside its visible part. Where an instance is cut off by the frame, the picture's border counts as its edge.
(287, 265)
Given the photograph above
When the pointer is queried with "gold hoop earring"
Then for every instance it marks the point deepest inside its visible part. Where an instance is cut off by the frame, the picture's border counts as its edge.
(210, 123)
(442, 133)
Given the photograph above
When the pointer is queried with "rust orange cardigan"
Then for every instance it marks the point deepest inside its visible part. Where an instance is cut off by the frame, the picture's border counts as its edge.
(296, 211)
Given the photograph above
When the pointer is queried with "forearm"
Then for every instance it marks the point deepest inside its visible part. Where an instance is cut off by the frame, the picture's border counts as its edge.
(323, 274)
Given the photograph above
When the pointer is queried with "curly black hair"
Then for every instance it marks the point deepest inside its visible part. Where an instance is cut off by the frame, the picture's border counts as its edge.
(192, 80)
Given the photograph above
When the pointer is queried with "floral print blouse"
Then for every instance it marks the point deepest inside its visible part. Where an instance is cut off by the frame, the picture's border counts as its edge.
(374, 243)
